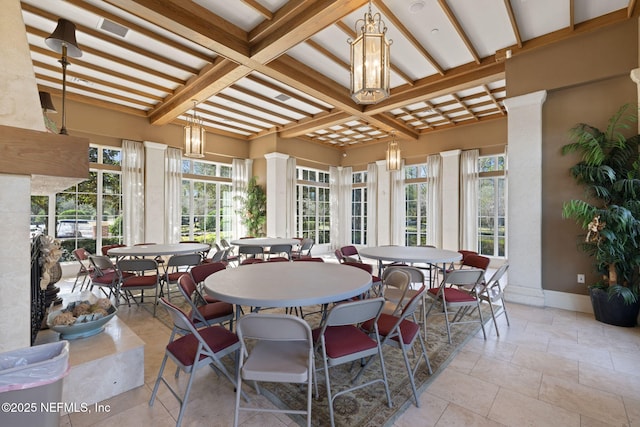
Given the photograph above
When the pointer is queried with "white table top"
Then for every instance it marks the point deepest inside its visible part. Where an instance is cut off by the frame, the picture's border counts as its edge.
(410, 254)
(287, 284)
(265, 241)
(159, 249)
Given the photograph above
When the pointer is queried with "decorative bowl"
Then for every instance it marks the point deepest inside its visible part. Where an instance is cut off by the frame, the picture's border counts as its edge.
(85, 326)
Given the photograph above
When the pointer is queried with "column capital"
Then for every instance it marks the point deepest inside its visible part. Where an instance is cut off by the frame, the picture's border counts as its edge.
(450, 153)
(526, 100)
(155, 145)
(276, 155)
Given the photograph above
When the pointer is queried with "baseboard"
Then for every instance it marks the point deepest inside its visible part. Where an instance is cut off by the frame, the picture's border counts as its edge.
(567, 301)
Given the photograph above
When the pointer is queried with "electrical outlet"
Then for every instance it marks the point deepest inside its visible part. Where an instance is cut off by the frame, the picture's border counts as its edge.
(580, 278)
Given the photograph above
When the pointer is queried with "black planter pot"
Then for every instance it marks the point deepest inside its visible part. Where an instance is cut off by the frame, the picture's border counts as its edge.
(613, 311)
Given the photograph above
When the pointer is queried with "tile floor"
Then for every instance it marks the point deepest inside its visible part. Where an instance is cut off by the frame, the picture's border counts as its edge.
(551, 367)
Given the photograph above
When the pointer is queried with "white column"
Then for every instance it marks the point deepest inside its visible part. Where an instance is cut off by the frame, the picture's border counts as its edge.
(19, 107)
(451, 199)
(635, 76)
(524, 195)
(384, 204)
(276, 194)
(154, 210)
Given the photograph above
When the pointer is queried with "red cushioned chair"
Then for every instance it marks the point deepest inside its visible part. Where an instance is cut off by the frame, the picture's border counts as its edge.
(451, 297)
(139, 274)
(201, 272)
(206, 314)
(341, 341)
(401, 331)
(197, 348)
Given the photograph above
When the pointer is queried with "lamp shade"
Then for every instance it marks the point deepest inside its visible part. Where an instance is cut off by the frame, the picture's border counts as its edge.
(64, 35)
(46, 103)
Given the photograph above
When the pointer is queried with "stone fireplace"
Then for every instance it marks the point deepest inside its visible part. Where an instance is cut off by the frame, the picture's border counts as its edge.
(32, 161)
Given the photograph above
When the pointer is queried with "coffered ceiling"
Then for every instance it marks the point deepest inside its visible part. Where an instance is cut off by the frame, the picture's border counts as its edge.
(261, 66)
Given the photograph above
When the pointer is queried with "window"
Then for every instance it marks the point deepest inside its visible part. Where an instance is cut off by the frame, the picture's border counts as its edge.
(313, 205)
(359, 208)
(492, 206)
(88, 214)
(206, 201)
(415, 191)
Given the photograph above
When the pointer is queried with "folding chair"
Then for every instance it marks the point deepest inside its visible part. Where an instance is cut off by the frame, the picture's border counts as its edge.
(350, 253)
(400, 331)
(280, 350)
(207, 313)
(250, 254)
(82, 256)
(139, 274)
(105, 275)
(454, 298)
(194, 350)
(493, 293)
(200, 272)
(279, 253)
(178, 265)
(340, 341)
(304, 251)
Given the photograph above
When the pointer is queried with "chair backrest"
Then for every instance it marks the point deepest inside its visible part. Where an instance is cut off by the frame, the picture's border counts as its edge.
(305, 245)
(218, 255)
(101, 264)
(224, 244)
(274, 327)
(339, 255)
(279, 250)
(81, 254)
(355, 312)
(416, 275)
(105, 248)
(137, 265)
(202, 271)
(180, 319)
(362, 266)
(401, 280)
(413, 303)
(495, 278)
(468, 277)
(183, 260)
(350, 251)
(187, 286)
(250, 250)
(475, 261)
(466, 253)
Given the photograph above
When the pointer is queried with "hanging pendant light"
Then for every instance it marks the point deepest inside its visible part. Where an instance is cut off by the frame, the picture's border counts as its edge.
(393, 155)
(370, 60)
(194, 135)
(63, 41)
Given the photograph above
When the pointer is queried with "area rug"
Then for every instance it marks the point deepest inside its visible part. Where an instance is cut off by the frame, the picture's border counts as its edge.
(368, 406)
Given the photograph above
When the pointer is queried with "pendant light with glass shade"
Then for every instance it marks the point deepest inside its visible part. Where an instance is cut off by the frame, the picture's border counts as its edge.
(370, 60)
(394, 159)
(194, 135)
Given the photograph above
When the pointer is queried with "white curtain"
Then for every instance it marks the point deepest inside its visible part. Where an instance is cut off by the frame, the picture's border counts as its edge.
(290, 213)
(397, 215)
(241, 170)
(434, 200)
(469, 178)
(372, 204)
(132, 192)
(173, 195)
(340, 194)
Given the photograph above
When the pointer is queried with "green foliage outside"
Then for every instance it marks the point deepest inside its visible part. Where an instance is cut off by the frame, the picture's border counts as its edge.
(253, 208)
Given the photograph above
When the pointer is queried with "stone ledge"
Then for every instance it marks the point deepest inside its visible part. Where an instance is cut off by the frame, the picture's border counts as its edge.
(101, 366)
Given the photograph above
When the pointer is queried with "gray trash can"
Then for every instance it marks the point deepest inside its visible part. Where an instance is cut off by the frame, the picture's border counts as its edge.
(31, 385)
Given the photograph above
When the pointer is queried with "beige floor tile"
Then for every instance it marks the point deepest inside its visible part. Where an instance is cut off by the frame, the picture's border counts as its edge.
(601, 378)
(465, 361)
(583, 353)
(546, 363)
(586, 421)
(427, 415)
(464, 390)
(498, 349)
(509, 376)
(457, 416)
(597, 404)
(516, 410)
(633, 410)
(117, 404)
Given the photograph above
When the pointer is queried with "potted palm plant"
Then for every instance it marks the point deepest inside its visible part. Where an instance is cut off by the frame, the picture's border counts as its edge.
(609, 215)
